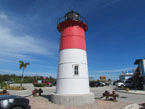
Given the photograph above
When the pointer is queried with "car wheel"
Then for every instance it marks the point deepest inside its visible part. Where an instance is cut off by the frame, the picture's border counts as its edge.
(122, 86)
(17, 108)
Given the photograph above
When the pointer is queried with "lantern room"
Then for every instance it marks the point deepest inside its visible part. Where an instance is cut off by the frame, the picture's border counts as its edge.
(72, 16)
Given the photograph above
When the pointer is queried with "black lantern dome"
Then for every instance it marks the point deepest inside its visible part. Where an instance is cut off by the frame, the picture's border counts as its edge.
(72, 16)
(72, 19)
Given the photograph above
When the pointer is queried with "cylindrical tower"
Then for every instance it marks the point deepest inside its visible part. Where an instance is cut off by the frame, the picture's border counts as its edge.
(72, 77)
(72, 87)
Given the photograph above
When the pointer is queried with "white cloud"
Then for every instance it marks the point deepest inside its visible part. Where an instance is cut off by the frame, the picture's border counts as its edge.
(6, 61)
(3, 16)
(115, 70)
(4, 19)
(22, 47)
(22, 44)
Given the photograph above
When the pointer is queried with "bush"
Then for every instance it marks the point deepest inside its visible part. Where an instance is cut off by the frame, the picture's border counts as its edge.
(3, 84)
(39, 84)
(13, 88)
(34, 92)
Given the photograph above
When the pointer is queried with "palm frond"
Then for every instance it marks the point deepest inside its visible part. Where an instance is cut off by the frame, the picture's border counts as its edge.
(25, 65)
(21, 62)
(21, 65)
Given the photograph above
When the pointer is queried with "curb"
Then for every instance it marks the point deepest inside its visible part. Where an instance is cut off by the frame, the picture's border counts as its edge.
(130, 92)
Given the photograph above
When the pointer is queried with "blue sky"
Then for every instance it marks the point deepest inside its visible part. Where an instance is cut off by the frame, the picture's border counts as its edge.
(115, 36)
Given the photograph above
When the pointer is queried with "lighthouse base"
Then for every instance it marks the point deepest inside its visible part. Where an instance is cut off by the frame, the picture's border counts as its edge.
(73, 100)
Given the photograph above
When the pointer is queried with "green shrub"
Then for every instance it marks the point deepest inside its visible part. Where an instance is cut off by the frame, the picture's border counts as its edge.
(17, 80)
(39, 84)
(3, 84)
(13, 88)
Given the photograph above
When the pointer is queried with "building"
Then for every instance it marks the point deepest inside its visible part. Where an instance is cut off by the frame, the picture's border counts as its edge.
(141, 66)
(103, 78)
(141, 72)
(72, 86)
(125, 76)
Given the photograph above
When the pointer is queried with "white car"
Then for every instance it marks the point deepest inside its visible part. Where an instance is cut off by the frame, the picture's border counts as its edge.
(120, 84)
(102, 84)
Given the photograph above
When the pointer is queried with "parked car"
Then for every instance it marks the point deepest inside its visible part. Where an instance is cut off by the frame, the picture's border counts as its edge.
(94, 84)
(13, 102)
(129, 84)
(9, 82)
(114, 83)
(107, 84)
(120, 84)
(102, 84)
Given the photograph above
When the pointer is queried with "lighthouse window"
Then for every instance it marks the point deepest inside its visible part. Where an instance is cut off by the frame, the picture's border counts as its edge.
(69, 17)
(76, 70)
(76, 17)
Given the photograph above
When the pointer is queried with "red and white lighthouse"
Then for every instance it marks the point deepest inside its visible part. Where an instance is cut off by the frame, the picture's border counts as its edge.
(72, 77)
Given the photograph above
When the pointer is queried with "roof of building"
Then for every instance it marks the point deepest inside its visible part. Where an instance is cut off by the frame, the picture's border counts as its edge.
(137, 61)
(127, 74)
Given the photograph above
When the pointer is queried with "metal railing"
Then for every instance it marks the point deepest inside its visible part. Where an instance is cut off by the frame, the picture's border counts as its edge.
(62, 19)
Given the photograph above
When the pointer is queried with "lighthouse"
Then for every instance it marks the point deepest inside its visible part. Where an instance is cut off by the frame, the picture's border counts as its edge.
(72, 79)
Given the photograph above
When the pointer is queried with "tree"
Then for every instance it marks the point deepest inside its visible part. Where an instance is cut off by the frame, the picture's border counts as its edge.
(109, 80)
(23, 65)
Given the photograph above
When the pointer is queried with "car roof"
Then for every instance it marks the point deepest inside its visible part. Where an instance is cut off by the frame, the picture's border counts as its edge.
(9, 96)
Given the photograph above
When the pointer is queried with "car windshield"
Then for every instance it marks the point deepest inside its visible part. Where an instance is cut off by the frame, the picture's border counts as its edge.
(128, 82)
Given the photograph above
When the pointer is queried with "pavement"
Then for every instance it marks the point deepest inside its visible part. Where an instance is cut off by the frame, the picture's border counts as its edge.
(140, 92)
(136, 92)
(44, 103)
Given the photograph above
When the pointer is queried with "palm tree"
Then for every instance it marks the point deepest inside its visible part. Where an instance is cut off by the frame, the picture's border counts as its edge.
(24, 65)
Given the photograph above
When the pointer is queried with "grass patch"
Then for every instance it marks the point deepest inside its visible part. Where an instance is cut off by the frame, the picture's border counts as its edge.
(13, 88)
(39, 84)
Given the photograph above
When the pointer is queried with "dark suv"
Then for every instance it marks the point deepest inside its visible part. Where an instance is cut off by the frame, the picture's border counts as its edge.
(94, 84)
(13, 102)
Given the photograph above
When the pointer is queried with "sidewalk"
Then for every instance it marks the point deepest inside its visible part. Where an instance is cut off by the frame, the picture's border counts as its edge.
(132, 92)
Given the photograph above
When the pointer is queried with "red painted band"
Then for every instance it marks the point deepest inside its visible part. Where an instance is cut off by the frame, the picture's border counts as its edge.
(69, 23)
(73, 37)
